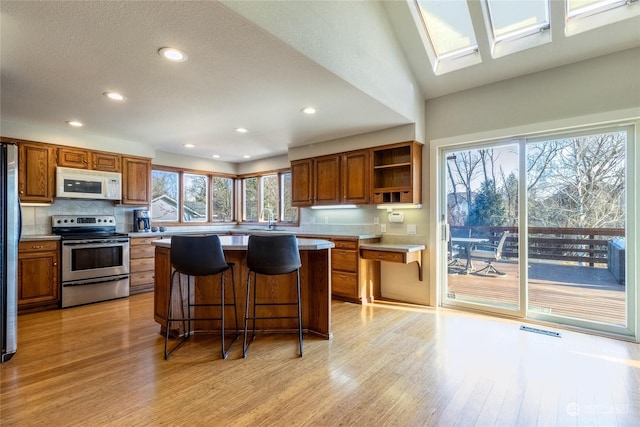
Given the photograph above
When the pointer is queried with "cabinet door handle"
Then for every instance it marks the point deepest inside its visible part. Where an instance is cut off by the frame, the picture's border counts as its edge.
(55, 263)
(36, 247)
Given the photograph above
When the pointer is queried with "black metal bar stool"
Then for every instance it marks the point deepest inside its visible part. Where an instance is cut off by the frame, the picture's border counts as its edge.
(199, 256)
(271, 256)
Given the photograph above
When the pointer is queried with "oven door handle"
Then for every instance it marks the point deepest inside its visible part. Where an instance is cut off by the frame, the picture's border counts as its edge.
(94, 281)
(85, 244)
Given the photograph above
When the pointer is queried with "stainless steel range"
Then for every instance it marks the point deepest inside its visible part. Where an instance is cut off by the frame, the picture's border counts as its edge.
(95, 259)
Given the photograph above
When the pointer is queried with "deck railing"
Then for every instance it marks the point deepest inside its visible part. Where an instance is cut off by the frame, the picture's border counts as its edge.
(584, 245)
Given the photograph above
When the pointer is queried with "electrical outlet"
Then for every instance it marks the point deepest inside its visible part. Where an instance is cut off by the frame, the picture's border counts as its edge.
(383, 228)
(411, 229)
(326, 220)
(376, 219)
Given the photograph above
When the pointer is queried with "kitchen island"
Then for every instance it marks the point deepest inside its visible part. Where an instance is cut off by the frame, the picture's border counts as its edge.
(315, 283)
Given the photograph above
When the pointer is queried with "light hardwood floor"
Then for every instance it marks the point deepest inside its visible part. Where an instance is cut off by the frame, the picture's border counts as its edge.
(386, 365)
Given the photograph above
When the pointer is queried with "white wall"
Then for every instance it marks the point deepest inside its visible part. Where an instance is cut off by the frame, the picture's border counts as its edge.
(595, 86)
(352, 39)
(163, 158)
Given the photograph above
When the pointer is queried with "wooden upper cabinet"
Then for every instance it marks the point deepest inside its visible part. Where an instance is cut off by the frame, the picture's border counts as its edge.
(302, 182)
(397, 173)
(355, 177)
(70, 157)
(36, 172)
(136, 181)
(327, 187)
(331, 180)
(108, 162)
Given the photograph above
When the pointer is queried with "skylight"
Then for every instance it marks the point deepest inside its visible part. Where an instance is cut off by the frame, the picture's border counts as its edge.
(585, 15)
(582, 8)
(515, 26)
(450, 38)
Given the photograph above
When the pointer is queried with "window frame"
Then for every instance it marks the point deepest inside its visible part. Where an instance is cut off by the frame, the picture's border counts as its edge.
(209, 176)
(261, 220)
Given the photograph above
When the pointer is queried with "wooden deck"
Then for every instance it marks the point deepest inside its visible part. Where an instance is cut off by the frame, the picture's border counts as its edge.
(588, 293)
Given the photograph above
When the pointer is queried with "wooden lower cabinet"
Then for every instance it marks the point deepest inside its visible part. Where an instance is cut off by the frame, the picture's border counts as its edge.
(141, 258)
(352, 278)
(38, 275)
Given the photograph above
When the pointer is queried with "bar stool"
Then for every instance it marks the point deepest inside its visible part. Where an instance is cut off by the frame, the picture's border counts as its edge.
(271, 256)
(199, 256)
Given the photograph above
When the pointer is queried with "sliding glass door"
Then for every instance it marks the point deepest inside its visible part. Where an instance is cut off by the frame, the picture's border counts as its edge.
(536, 228)
(576, 193)
(482, 190)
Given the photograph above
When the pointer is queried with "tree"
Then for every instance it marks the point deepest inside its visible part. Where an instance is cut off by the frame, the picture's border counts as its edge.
(581, 185)
(488, 207)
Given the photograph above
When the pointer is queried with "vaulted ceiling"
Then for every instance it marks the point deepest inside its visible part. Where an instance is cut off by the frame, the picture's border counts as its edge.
(250, 65)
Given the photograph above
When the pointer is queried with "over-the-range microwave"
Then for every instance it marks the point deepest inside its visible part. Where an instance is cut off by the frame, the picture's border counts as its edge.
(88, 184)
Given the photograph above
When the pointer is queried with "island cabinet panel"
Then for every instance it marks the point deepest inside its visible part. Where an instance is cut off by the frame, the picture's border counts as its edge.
(36, 172)
(314, 282)
(141, 255)
(38, 275)
(136, 181)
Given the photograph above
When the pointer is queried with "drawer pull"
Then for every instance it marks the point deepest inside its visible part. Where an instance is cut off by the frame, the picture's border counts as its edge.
(36, 247)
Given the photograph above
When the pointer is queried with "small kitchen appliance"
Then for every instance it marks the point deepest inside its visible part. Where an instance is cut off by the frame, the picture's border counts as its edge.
(141, 220)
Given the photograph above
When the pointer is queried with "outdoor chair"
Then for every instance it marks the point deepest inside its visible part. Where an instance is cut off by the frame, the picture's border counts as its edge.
(456, 252)
(491, 254)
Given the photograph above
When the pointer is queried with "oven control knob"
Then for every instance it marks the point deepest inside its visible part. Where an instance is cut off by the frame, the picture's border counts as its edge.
(66, 220)
(99, 220)
(73, 220)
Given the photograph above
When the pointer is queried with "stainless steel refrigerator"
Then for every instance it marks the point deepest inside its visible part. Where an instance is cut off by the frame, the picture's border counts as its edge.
(10, 226)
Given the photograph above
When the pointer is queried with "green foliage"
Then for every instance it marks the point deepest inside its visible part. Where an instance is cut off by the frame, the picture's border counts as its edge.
(488, 208)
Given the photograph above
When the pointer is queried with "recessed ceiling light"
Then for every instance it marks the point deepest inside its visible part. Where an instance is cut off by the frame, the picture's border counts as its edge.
(189, 145)
(246, 156)
(172, 54)
(308, 110)
(216, 156)
(114, 96)
(241, 130)
(75, 123)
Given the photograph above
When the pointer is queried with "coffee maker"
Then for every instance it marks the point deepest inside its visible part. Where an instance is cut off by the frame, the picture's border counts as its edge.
(141, 220)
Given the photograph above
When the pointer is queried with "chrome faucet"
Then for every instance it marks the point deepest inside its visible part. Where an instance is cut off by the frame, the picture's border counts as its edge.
(271, 224)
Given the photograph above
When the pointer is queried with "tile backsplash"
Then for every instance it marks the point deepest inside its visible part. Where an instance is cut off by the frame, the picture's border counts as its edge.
(36, 220)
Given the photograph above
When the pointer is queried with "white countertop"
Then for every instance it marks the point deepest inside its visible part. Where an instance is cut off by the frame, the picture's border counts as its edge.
(232, 243)
(35, 237)
(387, 247)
